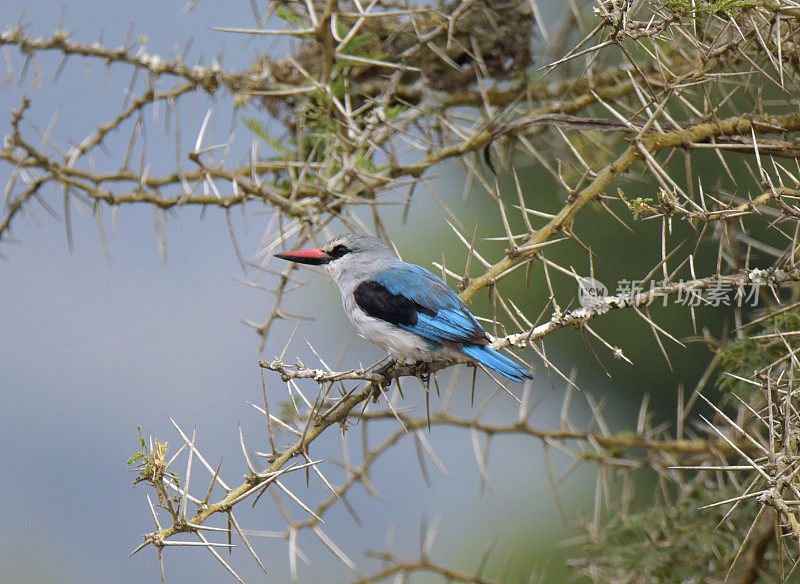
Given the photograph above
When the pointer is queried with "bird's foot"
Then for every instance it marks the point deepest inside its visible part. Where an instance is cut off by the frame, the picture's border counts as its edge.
(385, 368)
(423, 369)
(383, 371)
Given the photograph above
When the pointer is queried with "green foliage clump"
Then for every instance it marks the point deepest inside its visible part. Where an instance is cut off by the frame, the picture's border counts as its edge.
(638, 205)
(697, 8)
(670, 543)
(751, 356)
(151, 464)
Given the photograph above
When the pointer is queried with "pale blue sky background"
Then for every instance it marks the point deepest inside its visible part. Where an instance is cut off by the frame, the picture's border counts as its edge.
(89, 350)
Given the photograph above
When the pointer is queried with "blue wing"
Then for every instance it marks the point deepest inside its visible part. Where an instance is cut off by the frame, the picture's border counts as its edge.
(440, 314)
(413, 299)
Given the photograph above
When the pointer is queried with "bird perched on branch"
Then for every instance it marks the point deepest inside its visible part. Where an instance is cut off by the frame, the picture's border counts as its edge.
(403, 308)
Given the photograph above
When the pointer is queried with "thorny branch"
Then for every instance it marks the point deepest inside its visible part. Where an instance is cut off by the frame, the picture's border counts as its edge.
(367, 105)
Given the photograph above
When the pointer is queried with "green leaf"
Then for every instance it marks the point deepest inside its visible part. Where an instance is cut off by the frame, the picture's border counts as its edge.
(638, 205)
(260, 130)
(356, 45)
(290, 17)
(339, 86)
(366, 163)
(394, 110)
(135, 458)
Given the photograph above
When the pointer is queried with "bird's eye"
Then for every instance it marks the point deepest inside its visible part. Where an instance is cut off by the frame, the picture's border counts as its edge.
(338, 251)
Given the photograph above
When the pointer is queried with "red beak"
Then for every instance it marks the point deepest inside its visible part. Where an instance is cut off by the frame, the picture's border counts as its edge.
(314, 257)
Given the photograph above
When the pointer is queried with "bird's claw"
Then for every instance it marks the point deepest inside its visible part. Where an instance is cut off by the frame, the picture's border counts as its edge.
(423, 371)
(378, 386)
(384, 369)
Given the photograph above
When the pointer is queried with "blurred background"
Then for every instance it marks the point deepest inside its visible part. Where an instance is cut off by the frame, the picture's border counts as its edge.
(93, 345)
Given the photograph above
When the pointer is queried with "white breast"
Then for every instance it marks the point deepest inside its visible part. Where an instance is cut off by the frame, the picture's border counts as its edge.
(399, 343)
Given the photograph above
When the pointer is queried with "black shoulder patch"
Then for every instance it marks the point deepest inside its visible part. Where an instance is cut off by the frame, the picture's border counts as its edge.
(378, 302)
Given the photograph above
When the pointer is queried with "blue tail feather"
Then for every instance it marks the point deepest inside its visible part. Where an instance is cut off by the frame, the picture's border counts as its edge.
(496, 361)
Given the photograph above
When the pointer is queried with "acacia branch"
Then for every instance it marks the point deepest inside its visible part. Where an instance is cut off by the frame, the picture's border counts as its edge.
(653, 143)
(224, 505)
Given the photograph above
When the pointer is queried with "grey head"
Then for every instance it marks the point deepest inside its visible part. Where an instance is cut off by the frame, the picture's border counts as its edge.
(351, 257)
(355, 257)
(357, 243)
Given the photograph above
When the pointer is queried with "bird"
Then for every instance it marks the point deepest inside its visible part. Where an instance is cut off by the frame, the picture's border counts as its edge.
(403, 308)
